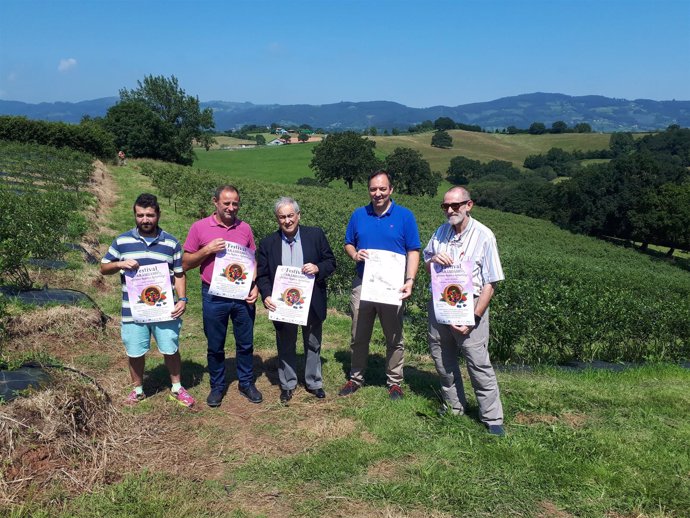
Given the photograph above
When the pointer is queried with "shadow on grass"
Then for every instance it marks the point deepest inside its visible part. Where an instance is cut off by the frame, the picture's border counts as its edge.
(158, 379)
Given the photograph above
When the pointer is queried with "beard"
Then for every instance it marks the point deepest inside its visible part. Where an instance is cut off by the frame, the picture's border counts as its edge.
(456, 219)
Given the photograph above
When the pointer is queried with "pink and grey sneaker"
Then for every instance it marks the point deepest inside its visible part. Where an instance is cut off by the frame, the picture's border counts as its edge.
(134, 398)
(183, 397)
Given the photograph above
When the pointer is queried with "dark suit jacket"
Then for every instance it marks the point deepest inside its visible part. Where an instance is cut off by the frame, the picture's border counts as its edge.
(315, 249)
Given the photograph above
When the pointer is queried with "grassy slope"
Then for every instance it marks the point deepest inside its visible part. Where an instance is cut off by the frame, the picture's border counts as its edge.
(579, 443)
(286, 164)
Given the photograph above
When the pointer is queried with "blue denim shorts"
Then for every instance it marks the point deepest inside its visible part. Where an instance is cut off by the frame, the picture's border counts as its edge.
(137, 337)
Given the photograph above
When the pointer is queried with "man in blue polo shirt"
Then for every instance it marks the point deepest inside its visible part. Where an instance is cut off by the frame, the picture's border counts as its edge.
(381, 225)
(144, 245)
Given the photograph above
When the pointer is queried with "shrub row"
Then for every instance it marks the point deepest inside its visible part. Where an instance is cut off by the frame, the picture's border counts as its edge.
(37, 213)
(87, 137)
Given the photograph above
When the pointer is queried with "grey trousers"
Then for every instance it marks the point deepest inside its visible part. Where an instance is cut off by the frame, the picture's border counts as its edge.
(363, 318)
(286, 340)
(444, 343)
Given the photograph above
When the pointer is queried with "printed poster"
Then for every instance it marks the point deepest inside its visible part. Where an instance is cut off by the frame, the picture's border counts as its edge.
(233, 272)
(453, 293)
(291, 294)
(150, 293)
(384, 275)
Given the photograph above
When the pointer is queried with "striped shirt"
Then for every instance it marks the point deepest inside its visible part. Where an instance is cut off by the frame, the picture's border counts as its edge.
(130, 245)
(476, 243)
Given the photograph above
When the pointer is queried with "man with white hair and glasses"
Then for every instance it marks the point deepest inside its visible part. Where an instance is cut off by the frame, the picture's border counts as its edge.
(463, 238)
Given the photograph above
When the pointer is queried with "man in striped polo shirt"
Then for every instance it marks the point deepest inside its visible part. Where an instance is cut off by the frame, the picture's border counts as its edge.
(463, 238)
(144, 245)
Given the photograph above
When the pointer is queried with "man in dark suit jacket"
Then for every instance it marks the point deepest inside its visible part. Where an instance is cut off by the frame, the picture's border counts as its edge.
(308, 248)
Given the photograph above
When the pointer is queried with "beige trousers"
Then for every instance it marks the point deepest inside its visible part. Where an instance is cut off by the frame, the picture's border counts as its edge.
(363, 317)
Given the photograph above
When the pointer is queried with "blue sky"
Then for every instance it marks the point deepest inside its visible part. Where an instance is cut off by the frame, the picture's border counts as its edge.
(418, 53)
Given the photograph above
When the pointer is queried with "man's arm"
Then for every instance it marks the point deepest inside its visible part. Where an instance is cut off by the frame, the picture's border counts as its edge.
(480, 307)
(191, 260)
(115, 266)
(410, 273)
(180, 281)
(325, 265)
(356, 255)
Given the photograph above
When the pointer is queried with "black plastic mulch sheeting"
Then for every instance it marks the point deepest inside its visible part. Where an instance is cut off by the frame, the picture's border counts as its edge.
(13, 382)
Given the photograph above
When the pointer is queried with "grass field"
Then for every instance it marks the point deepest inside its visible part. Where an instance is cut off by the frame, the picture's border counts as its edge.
(286, 164)
(579, 443)
(280, 164)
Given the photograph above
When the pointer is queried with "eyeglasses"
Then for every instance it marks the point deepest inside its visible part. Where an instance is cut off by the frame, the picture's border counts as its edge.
(454, 206)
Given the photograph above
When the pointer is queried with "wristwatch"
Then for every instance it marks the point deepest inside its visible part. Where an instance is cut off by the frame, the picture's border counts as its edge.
(183, 299)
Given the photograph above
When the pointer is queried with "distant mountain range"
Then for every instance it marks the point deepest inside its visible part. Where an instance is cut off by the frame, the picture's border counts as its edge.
(602, 113)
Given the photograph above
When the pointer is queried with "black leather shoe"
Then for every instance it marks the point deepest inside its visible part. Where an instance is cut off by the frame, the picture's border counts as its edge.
(214, 398)
(286, 395)
(319, 392)
(251, 393)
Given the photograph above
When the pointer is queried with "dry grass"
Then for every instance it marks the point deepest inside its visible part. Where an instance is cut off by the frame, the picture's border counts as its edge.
(571, 419)
(68, 435)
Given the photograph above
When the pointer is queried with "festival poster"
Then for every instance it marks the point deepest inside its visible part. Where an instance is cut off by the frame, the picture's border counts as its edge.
(384, 276)
(233, 272)
(453, 293)
(291, 294)
(150, 293)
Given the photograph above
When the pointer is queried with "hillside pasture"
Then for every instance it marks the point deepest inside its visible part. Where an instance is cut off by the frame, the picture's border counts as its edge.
(490, 146)
(286, 164)
(277, 164)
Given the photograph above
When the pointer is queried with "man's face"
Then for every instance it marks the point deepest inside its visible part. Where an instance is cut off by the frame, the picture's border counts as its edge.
(380, 191)
(457, 206)
(146, 219)
(288, 219)
(227, 206)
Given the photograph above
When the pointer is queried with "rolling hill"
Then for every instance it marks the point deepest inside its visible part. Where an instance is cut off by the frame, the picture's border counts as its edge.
(602, 113)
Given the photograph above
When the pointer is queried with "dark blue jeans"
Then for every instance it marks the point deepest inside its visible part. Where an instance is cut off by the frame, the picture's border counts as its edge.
(217, 312)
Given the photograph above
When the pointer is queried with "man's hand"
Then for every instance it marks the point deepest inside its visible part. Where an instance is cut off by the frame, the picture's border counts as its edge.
(310, 269)
(179, 309)
(269, 304)
(443, 259)
(215, 246)
(360, 256)
(253, 295)
(129, 264)
(406, 289)
(463, 330)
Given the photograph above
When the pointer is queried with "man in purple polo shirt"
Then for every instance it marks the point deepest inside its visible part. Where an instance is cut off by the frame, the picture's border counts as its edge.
(382, 225)
(206, 238)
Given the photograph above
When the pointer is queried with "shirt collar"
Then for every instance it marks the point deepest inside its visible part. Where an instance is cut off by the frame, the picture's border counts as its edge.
(135, 233)
(470, 224)
(215, 223)
(371, 212)
(295, 238)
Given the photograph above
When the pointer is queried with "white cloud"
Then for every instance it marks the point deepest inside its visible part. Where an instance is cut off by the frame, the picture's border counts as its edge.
(67, 64)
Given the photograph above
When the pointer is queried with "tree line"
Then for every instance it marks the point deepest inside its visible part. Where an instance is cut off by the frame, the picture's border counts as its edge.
(641, 194)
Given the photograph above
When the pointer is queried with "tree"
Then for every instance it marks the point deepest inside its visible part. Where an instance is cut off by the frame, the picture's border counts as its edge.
(512, 130)
(559, 127)
(583, 127)
(140, 132)
(462, 169)
(345, 156)
(303, 137)
(260, 140)
(442, 139)
(286, 138)
(182, 120)
(410, 173)
(537, 128)
(621, 143)
(444, 123)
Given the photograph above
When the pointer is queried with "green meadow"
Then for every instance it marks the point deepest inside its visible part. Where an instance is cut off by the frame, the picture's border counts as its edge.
(580, 443)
